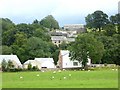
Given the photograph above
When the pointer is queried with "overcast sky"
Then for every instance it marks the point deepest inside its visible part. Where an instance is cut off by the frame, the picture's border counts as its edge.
(64, 11)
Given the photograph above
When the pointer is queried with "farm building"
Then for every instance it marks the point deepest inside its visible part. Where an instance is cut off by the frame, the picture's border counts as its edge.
(57, 40)
(46, 62)
(33, 63)
(65, 62)
(75, 27)
(40, 63)
(16, 62)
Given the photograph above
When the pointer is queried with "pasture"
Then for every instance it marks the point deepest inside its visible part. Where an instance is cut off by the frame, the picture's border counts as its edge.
(103, 78)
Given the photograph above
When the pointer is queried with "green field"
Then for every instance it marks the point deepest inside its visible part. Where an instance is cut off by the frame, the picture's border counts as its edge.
(79, 79)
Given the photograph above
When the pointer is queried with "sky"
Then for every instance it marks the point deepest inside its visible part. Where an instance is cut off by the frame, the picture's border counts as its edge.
(64, 11)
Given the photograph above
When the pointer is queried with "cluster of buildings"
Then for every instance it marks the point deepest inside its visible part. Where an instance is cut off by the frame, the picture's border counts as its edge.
(64, 61)
(67, 34)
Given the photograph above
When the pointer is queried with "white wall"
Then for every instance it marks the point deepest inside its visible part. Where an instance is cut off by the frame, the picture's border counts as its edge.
(48, 64)
(67, 63)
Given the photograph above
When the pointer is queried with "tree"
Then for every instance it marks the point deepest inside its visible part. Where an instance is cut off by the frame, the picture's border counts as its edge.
(86, 46)
(49, 22)
(10, 65)
(43, 34)
(110, 29)
(35, 21)
(38, 48)
(97, 20)
(19, 46)
(6, 24)
(4, 65)
(6, 50)
(25, 28)
(29, 66)
(8, 37)
(116, 21)
(111, 46)
(63, 46)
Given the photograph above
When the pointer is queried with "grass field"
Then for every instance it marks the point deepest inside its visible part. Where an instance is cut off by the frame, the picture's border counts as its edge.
(103, 78)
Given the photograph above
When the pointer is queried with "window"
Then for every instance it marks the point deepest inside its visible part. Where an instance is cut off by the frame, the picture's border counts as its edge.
(75, 63)
(59, 41)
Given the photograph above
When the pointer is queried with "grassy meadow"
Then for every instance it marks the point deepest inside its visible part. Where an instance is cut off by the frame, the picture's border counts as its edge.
(100, 78)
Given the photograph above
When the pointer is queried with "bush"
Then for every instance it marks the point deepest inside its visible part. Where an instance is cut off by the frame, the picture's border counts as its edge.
(29, 66)
(35, 68)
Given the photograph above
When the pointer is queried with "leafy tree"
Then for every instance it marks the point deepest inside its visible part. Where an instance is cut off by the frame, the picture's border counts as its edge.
(10, 65)
(96, 20)
(116, 21)
(63, 46)
(113, 19)
(29, 66)
(37, 48)
(54, 50)
(4, 65)
(20, 39)
(43, 34)
(6, 50)
(19, 46)
(6, 24)
(110, 29)
(86, 46)
(89, 21)
(35, 68)
(8, 37)
(35, 21)
(27, 29)
(49, 22)
(111, 47)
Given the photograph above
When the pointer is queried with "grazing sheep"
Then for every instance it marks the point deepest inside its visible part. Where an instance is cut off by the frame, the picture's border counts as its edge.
(113, 69)
(21, 77)
(37, 74)
(43, 71)
(64, 77)
(88, 70)
(59, 71)
(53, 77)
(69, 75)
(54, 72)
(63, 69)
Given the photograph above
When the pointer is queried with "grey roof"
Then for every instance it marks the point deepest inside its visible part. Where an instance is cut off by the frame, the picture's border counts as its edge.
(56, 38)
(74, 26)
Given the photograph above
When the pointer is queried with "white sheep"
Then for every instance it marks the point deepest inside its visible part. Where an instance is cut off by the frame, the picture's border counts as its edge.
(37, 74)
(21, 77)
